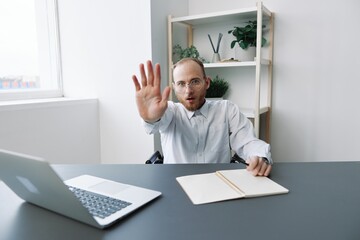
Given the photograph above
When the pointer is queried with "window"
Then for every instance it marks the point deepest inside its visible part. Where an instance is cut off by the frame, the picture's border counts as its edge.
(29, 49)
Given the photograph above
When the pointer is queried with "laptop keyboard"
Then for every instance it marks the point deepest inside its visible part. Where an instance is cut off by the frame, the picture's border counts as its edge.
(99, 205)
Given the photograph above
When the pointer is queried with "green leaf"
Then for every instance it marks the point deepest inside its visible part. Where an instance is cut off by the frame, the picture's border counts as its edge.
(218, 87)
(244, 45)
(263, 42)
(246, 36)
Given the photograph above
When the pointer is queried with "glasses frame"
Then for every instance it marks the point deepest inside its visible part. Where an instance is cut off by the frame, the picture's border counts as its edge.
(194, 84)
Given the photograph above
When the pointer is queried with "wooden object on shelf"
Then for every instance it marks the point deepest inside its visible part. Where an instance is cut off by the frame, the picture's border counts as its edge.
(259, 13)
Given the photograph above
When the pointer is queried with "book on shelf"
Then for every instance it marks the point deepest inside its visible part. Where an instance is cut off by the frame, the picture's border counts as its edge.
(226, 185)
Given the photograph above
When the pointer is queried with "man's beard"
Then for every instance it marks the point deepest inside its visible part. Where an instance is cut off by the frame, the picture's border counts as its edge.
(192, 107)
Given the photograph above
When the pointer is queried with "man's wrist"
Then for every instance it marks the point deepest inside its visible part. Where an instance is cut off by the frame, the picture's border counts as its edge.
(152, 122)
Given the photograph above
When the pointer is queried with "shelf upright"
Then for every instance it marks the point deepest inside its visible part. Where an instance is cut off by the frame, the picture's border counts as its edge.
(258, 13)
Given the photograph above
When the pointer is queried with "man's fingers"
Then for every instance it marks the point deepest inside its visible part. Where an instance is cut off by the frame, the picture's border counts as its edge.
(143, 75)
(268, 170)
(149, 78)
(258, 166)
(166, 94)
(253, 161)
(157, 80)
(254, 165)
(136, 83)
(263, 167)
(150, 70)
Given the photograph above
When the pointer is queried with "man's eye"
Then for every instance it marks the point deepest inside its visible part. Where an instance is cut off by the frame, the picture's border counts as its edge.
(196, 81)
(181, 84)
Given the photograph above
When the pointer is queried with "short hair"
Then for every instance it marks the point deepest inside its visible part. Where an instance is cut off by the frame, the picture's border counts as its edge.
(191, 59)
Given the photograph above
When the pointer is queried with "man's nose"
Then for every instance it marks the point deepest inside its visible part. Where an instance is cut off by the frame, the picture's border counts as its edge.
(188, 88)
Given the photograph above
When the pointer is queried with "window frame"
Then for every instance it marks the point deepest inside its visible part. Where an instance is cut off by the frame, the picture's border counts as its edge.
(52, 22)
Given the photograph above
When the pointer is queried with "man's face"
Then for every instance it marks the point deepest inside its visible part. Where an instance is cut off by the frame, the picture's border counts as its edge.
(190, 85)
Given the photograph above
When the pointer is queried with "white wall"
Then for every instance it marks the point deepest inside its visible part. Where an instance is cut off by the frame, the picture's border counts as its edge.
(103, 42)
(316, 77)
(315, 80)
(60, 132)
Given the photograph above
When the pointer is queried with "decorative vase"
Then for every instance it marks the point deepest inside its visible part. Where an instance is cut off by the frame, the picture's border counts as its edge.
(215, 58)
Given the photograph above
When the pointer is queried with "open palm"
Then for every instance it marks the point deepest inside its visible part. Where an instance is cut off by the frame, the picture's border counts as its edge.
(150, 102)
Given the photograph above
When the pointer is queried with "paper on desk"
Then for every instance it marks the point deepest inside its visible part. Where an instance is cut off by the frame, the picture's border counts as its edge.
(226, 185)
(252, 186)
(207, 188)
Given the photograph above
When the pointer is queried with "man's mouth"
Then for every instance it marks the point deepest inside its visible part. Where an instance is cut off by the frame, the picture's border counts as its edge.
(190, 99)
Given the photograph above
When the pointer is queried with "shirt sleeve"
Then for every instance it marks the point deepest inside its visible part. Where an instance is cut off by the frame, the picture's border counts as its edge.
(163, 123)
(242, 137)
(151, 128)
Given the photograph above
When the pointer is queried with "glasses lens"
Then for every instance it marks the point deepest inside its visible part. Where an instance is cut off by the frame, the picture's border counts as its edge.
(194, 84)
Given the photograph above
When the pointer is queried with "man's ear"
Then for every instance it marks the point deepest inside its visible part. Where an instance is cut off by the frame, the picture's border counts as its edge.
(207, 82)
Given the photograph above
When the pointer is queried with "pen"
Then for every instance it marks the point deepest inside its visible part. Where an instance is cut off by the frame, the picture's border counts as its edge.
(237, 159)
(243, 161)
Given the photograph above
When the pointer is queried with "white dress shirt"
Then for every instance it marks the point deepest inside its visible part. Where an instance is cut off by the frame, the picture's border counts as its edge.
(207, 135)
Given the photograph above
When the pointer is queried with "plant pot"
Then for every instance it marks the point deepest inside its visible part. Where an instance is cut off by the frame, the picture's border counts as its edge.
(245, 55)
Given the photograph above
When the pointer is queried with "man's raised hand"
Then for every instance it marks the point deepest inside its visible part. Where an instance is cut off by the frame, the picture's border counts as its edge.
(150, 102)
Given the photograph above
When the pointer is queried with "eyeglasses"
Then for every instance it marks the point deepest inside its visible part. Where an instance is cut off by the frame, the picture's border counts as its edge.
(194, 84)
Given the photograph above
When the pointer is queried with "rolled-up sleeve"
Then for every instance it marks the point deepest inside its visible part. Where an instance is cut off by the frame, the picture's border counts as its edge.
(162, 123)
(151, 128)
(242, 137)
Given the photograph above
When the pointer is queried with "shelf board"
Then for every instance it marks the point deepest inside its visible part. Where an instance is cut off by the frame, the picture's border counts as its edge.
(230, 15)
(250, 112)
(235, 64)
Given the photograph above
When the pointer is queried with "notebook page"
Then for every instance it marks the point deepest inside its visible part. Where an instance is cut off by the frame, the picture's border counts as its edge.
(206, 188)
(253, 186)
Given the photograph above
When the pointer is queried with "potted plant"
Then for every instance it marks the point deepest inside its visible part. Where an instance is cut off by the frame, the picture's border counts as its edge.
(190, 52)
(218, 88)
(245, 37)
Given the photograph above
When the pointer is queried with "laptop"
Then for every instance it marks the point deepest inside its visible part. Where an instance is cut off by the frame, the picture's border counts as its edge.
(79, 198)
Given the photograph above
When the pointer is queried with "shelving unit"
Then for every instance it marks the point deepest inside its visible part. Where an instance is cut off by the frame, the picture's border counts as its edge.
(259, 13)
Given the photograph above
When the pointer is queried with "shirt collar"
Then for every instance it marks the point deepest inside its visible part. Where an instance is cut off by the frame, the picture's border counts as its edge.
(204, 110)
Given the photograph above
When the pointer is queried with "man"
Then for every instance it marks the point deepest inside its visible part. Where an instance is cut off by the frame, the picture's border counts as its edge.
(196, 130)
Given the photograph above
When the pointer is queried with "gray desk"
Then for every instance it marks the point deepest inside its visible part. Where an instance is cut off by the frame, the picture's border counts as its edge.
(323, 203)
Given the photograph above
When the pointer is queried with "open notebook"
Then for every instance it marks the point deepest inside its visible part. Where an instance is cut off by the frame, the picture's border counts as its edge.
(227, 184)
